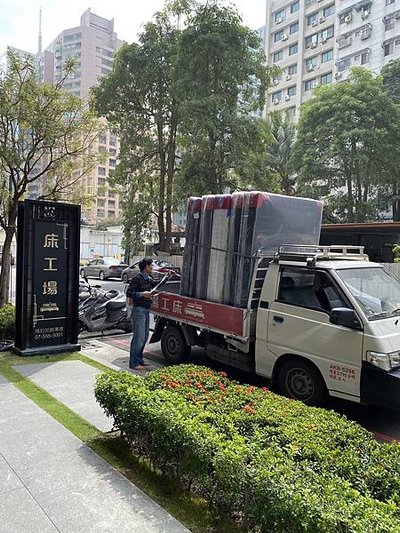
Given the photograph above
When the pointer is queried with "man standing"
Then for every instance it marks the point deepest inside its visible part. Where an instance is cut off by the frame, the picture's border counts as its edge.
(139, 291)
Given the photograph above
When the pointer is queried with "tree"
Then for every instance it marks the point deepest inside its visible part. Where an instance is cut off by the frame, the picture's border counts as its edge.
(220, 80)
(279, 151)
(348, 138)
(136, 99)
(45, 137)
(391, 86)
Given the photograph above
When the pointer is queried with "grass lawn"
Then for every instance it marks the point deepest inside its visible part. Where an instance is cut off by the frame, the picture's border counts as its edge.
(191, 510)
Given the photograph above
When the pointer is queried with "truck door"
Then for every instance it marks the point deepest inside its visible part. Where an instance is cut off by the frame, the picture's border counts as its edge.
(298, 324)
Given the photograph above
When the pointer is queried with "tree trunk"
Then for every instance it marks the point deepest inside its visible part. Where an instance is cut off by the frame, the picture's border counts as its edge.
(396, 203)
(170, 182)
(6, 266)
(350, 200)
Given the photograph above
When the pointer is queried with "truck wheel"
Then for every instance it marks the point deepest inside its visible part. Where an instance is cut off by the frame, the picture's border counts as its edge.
(301, 380)
(173, 345)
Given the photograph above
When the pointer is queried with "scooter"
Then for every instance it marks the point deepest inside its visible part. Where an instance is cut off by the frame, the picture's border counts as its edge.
(100, 310)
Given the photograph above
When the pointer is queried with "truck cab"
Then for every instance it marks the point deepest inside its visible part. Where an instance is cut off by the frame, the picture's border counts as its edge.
(328, 323)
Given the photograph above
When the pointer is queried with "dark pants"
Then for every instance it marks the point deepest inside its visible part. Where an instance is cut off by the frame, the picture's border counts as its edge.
(140, 328)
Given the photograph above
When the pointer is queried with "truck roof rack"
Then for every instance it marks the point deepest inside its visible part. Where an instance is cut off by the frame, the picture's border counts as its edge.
(309, 254)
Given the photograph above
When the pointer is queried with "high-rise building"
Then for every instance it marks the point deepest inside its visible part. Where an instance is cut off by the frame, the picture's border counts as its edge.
(316, 42)
(368, 34)
(92, 46)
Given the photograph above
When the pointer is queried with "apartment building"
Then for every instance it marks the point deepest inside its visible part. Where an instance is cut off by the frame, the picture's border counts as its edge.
(300, 40)
(92, 45)
(316, 42)
(368, 34)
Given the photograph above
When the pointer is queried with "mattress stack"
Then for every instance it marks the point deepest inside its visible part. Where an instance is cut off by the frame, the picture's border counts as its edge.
(225, 233)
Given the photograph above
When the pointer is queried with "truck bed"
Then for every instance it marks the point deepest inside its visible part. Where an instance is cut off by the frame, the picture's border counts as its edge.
(225, 319)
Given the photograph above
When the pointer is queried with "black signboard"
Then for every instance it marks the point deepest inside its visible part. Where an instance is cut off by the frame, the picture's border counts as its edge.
(47, 277)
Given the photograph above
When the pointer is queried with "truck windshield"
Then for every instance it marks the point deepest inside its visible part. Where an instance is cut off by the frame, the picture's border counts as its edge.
(374, 289)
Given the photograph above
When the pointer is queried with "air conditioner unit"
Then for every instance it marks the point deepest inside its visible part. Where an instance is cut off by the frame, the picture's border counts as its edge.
(397, 15)
(364, 14)
(288, 77)
(365, 34)
(313, 45)
(279, 20)
(310, 68)
(284, 37)
(315, 22)
(347, 19)
(275, 81)
(287, 98)
(275, 101)
(337, 75)
(322, 20)
(324, 40)
(314, 84)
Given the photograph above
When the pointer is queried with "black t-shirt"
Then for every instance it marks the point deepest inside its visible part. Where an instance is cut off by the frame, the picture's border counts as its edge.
(140, 284)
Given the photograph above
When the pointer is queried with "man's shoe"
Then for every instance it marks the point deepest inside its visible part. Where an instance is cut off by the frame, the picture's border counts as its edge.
(138, 367)
(145, 364)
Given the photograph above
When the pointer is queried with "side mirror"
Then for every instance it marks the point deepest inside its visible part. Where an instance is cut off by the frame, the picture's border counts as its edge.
(342, 316)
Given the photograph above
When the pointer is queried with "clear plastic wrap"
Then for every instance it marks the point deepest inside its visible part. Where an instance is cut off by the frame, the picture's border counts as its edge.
(219, 248)
(190, 253)
(204, 246)
(244, 224)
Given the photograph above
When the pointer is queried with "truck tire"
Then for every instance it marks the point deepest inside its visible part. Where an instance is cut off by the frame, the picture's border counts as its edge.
(173, 345)
(301, 380)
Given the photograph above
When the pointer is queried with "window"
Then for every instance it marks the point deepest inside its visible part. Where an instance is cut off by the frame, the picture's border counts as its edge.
(112, 151)
(311, 63)
(327, 56)
(276, 96)
(364, 58)
(113, 139)
(111, 162)
(292, 69)
(329, 10)
(111, 214)
(311, 40)
(278, 35)
(294, 28)
(389, 2)
(100, 213)
(293, 49)
(312, 19)
(389, 49)
(294, 7)
(100, 202)
(279, 16)
(326, 78)
(278, 56)
(102, 139)
(310, 289)
(390, 23)
(310, 84)
(111, 203)
(101, 182)
(291, 90)
(344, 64)
(328, 33)
(101, 171)
(291, 112)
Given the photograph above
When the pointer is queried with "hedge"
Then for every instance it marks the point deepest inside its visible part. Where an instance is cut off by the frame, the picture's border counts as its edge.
(273, 463)
(7, 322)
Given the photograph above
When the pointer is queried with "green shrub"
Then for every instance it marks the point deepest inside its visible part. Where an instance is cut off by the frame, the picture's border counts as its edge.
(274, 463)
(7, 322)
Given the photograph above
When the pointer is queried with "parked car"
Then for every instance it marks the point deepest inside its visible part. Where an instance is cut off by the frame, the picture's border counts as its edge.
(160, 268)
(103, 268)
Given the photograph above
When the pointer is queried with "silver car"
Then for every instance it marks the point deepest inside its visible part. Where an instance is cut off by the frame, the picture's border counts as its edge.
(103, 268)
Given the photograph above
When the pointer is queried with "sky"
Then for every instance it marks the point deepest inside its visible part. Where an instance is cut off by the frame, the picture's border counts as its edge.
(19, 19)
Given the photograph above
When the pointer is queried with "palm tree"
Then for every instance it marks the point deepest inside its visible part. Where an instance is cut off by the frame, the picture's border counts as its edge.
(279, 150)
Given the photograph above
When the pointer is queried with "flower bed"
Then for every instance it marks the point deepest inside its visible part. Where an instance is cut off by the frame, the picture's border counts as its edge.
(7, 322)
(275, 464)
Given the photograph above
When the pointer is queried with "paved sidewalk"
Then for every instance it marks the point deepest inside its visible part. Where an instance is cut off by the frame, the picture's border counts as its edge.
(71, 382)
(51, 482)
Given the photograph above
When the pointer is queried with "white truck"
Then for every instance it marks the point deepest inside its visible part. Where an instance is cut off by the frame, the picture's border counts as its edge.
(319, 321)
